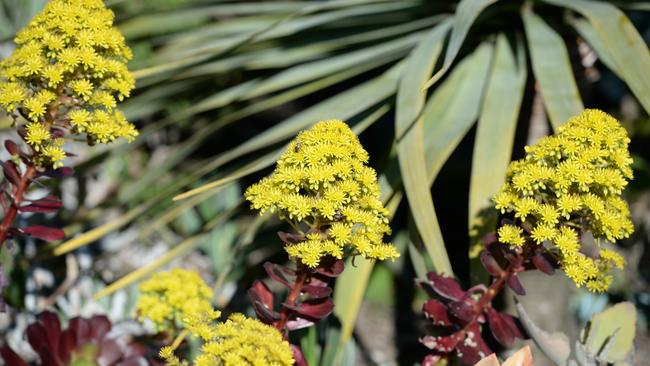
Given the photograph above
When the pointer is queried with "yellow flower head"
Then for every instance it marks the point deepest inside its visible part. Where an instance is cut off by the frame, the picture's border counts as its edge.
(171, 298)
(69, 59)
(322, 182)
(573, 180)
(242, 341)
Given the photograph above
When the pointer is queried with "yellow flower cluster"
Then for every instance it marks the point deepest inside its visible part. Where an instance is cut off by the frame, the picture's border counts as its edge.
(66, 73)
(242, 341)
(321, 183)
(569, 184)
(174, 297)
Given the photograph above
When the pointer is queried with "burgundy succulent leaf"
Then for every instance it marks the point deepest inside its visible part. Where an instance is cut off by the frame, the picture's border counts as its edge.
(12, 147)
(515, 326)
(298, 356)
(299, 323)
(443, 344)
(11, 172)
(330, 267)
(44, 232)
(436, 311)
(280, 273)
(473, 348)
(290, 238)
(316, 292)
(491, 264)
(446, 287)
(85, 339)
(516, 286)
(44, 205)
(463, 310)
(542, 262)
(10, 357)
(260, 292)
(500, 328)
(59, 173)
(313, 309)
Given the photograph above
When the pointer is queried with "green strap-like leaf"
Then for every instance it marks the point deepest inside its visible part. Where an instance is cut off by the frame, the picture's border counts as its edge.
(410, 144)
(587, 31)
(497, 124)
(622, 42)
(552, 69)
(454, 107)
(466, 13)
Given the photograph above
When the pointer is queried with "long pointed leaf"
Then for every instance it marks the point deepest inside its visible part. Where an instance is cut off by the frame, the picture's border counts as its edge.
(552, 69)
(410, 146)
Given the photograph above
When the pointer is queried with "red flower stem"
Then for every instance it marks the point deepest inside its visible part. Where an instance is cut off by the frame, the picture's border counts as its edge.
(302, 274)
(12, 211)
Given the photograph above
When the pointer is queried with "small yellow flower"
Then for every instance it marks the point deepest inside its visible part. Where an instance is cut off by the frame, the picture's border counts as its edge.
(573, 180)
(37, 134)
(169, 298)
(510, 234)
(322, 181)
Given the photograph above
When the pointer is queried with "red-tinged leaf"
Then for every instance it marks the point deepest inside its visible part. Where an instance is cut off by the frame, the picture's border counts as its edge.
(330, 267)
(49, 359)
(264, 314)
(109, 352)
(10, 357)
(100, 325)
(543, 263)
(12, 147)
(489, 239)
(42, 206)
(516, 286)
(436, 311)
(491, 264)
(441, 344)
(446, 287)
(313, 309)
(316, 292)
(290, 238)
(62, 172)
(431, 360)
(500, 329)
(490, 360)
(44, 232)
(473, 348)
(299, 323)
(279, 273)
(260, 292)
(37, 337)
(298, 356)
(67, 343)
(52, 326)
(463, 310)
(11, 173)
(515, 326)
(82, 330)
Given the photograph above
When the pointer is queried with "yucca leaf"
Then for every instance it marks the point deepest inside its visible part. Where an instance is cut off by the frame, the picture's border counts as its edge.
(410, 143)
(454, 107)
(552, 69)
(587, 31)
(465, 15)
(622, 42)
(497, 124)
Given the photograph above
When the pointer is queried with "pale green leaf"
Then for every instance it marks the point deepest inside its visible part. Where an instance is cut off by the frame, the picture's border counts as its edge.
(410, 144)
(552, 69)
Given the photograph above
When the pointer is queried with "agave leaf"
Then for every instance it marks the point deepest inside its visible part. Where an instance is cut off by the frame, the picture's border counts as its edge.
(622, 42)
(410, 144)
(610, 335)
(497, 124)
(555, 345)
(552, 69)
(466, 13)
